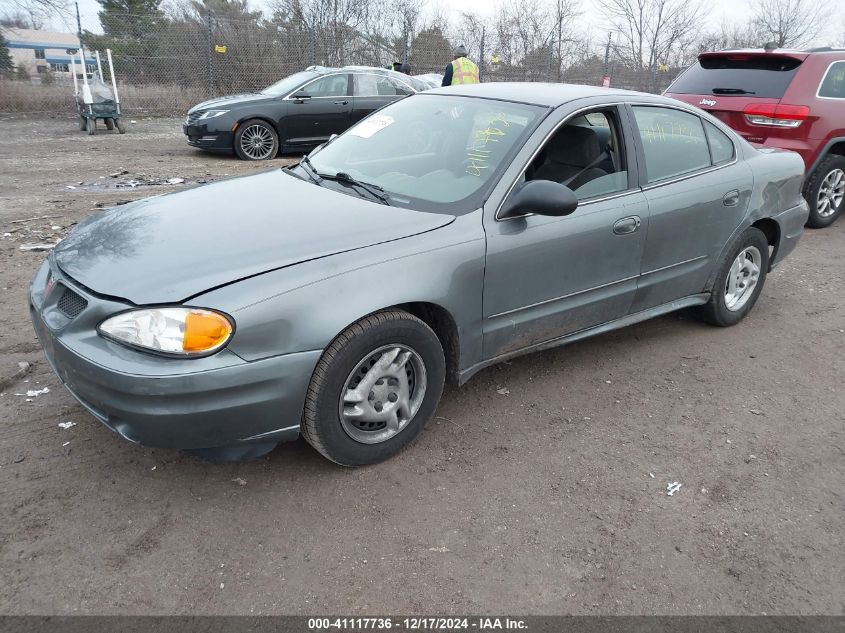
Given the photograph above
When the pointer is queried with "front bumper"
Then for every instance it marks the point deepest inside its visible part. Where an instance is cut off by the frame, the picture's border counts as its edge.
(209, 136)
(220, 400)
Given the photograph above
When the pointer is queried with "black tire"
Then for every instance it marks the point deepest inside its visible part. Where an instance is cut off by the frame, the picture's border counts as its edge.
(83, 123)
(120, 127)
(716, 310)
(321, 422)
(812, 189)
(91, 126)
(109, 124)
(249, 128)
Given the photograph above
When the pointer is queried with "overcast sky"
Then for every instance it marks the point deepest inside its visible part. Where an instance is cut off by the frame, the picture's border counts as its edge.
(716, 12)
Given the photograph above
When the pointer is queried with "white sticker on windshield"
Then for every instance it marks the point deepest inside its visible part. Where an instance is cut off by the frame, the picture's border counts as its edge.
(368, 127)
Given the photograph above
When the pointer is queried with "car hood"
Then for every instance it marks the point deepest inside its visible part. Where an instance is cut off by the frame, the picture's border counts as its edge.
(228, 101)
(172, 247)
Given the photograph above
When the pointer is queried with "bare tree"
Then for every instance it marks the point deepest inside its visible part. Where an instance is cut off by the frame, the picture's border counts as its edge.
(33, 14)
(790, 23)
(651, 31)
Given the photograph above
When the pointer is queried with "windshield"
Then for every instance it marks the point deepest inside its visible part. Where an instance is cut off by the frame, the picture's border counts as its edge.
(432, 152)
(748, 75)
(288, 84)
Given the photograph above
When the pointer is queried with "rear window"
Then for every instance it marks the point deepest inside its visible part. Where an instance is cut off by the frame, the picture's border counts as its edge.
(736, 75)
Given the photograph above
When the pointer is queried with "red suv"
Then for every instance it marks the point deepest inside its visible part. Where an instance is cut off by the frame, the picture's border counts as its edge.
(778, 98)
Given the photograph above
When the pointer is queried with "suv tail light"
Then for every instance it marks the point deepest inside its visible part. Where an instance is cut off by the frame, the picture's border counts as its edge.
(775, 115)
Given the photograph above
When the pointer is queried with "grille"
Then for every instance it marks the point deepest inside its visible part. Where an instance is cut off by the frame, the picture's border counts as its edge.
(192, 117)
(71, 304)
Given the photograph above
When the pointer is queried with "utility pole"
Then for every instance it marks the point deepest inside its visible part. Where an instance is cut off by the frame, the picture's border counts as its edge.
(605, 81)
(79, 35)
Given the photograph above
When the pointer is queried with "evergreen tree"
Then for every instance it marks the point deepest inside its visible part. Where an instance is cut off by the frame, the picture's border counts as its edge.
(6, 65)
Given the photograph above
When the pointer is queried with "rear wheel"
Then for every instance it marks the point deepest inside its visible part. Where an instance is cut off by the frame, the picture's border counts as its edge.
(739, 281)
(825, 192)
(83, 123)
(109, 124)
(256, 140)
(374, 389)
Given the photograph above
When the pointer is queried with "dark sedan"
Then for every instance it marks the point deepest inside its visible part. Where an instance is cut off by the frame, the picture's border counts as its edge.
(295, 114)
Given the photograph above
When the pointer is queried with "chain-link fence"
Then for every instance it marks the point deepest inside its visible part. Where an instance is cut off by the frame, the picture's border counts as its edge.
(164, 65)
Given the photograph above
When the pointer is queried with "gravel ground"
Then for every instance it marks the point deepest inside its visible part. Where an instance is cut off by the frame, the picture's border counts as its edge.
(539, 488)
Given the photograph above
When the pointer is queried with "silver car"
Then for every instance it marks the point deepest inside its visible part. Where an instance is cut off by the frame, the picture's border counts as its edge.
(449, 231)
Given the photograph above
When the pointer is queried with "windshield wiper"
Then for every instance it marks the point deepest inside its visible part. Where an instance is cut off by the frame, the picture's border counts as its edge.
(374, 190)
(732, 91)
(308, 168)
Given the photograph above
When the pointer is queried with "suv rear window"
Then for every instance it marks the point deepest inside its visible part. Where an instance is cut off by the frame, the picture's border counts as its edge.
(755, 76)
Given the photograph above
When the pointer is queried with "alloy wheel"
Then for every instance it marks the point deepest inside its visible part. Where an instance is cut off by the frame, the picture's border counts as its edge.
(257, 142)
(831, 193)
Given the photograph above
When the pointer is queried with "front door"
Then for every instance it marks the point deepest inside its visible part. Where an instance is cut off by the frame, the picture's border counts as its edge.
(318, 110)
(547, 277)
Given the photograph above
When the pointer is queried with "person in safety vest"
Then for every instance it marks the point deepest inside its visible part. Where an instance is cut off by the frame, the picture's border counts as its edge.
(461, 70)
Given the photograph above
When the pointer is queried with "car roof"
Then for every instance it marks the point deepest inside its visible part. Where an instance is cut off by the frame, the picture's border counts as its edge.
(549, 95)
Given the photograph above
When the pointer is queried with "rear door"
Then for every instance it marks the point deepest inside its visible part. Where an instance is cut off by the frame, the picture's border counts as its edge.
(697, 189)
(371, 92)
(730, 86)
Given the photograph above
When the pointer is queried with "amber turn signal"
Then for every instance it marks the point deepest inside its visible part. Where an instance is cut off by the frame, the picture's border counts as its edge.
(205, 331)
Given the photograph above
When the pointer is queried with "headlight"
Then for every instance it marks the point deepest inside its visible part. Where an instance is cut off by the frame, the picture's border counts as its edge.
(178, 331)
(210, 114)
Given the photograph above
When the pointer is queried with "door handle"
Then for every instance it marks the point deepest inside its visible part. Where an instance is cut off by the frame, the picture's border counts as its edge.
(627, 225)
(341, 102)
(731, 198)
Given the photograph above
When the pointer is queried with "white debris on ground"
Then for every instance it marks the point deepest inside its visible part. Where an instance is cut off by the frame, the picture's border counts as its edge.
(37, 247)
(503, 391)
(34, 393)
(66, 425)
(441, 550)
(175, 181)
(65, 444)
(240, 481)
(672, 488)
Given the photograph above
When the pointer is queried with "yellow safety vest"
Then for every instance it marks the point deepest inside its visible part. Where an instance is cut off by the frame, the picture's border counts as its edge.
(464, 71)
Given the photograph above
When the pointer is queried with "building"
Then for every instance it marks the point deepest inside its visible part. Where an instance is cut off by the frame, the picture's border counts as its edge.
(36, 51)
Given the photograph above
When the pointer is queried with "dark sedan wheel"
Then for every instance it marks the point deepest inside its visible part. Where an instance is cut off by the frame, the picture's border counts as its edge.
(256, 140)
(374, 389)
(740, 280)
(825, 192)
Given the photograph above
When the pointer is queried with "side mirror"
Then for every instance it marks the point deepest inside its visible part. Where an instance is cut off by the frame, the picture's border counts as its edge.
(541, 197)
(300, 97)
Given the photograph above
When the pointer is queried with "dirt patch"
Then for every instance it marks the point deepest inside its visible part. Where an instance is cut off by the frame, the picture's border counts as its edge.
(539, 488)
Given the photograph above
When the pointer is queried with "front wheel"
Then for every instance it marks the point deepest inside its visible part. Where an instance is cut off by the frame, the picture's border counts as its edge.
(91, 126)
(256, 140)
(739, 281)
(120, 126)
(825, 192)
(374, 389)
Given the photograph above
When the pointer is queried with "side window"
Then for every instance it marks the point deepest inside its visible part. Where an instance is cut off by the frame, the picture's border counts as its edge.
(673, 142)
(833, 86)
(585, 154)
(328, 86)
(721, 147)
(375, 85)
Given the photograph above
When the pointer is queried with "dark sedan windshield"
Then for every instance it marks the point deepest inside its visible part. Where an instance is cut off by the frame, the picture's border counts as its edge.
(432, 152)
(288, 84)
